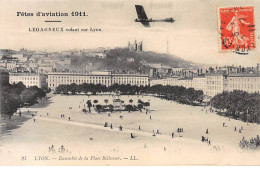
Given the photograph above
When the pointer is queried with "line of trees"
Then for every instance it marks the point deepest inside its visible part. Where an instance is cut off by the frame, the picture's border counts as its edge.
(176, 93)
(238, 104)
(98, 88)
(17, 95)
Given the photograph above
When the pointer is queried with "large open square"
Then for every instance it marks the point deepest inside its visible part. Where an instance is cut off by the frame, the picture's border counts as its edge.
(86, 140)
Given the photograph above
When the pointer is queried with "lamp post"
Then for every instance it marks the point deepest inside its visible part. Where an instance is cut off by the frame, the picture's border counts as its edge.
(247, 117)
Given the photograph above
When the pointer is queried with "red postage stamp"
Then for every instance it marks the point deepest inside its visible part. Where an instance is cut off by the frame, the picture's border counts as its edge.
(237, 29)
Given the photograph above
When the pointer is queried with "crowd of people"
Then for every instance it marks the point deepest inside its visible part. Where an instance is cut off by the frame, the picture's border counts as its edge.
(205, 139)
(251, 144)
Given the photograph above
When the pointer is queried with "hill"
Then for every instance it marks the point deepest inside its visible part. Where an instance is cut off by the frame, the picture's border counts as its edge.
(124, 60)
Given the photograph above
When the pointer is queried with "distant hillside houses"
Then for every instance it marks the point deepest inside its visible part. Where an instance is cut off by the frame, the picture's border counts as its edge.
(97, 53)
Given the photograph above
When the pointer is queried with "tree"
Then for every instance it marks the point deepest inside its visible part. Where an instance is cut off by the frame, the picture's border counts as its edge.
(29, 96)
(106, 101)
(99, 108)
(131, 101)
(146, 104)
(10, 101)
(140, 106)
(129, 107)
(16, 95)
(111, 107)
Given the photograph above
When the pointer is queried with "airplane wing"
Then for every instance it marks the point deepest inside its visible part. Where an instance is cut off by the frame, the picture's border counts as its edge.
(140, 12)
(145, 23)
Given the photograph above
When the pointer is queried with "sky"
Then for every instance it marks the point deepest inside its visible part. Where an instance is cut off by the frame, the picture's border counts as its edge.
(193, 36)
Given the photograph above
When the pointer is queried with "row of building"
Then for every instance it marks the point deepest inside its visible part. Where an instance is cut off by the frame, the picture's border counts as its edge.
(43, 62)
(213, 84)
(54, 79)
(210, 84)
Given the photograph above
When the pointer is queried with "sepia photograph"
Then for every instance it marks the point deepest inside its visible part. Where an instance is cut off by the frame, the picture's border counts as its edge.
(129, 83)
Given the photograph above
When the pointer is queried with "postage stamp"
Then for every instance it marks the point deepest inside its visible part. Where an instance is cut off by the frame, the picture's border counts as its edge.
(237, 29)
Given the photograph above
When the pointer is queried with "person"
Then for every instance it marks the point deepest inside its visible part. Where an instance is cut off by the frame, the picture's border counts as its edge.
(223, 124)
(150, 117)
(132, 136)
(69, 118)
(207, 131)
(172, 134)
(120, 128)
(62, 148)
(158, 131)
(206, 139)
(34, 120)
(202, 138)
(154, 133)
(139, 127)
(235, 128)
(209, 143)
(105, 124)
(111, 126)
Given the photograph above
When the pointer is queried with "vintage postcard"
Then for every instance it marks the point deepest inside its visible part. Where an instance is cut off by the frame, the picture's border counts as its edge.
(129, 82)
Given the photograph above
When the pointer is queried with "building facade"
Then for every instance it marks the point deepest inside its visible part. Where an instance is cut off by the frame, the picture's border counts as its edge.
(132, 79)
(215, 84)
(58, 78)
(199, 83)
(28, 79)
(249, 83)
